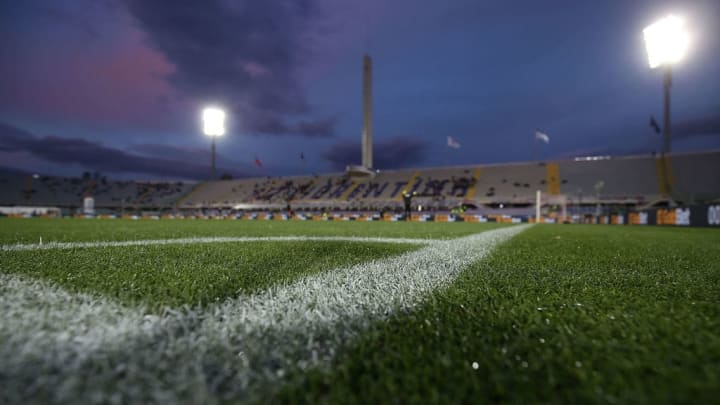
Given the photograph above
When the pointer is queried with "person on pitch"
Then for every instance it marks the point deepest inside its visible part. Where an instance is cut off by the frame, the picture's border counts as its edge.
(407, 199)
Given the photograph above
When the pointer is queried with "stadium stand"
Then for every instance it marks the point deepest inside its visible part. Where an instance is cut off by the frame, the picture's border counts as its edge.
(696, 176)
(65, 192)
(483, 189)
(613, 179)
(619, 180)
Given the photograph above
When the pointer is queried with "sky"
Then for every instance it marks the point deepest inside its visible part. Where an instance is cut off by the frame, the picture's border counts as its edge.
(117, 86)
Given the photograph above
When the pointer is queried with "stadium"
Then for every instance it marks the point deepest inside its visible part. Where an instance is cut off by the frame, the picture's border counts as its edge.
(594, 189)
(591, 278)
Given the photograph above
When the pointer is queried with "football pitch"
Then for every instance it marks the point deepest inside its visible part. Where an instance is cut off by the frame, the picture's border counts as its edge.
(206, 311)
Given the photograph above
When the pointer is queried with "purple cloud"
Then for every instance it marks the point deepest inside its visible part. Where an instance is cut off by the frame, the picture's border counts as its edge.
(393, 153)
(243, 55)
(94, 156)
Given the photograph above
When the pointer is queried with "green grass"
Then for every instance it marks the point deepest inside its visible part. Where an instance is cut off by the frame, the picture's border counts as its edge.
(560, 314)
(175, 275)
(14, 230)
(570, 314)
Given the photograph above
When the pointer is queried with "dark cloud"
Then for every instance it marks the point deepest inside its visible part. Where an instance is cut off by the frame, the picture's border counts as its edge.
(698, 127)
(393, 153)
(701, 126)
(242, 54)
(274, 125)
(94, 156)
(189, 154)
(172, 152)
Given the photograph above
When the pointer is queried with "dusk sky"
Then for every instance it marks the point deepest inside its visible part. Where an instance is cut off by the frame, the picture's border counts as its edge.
(117, 86)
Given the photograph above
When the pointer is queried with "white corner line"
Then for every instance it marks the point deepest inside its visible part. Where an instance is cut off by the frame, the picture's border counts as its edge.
(208, 240)
(251, 341)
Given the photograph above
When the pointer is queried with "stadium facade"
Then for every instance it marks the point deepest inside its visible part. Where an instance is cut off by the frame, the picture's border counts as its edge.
(583, 189)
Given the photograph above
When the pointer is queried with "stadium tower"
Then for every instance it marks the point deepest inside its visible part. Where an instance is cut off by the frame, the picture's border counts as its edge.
(367, 152)
(365, 169)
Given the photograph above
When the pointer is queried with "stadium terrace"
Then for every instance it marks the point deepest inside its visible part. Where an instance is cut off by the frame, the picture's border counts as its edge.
(620, 190)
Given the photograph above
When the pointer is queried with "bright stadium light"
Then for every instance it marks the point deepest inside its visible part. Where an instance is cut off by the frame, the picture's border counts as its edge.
(666, 41)
(213, 122)
(213, 126)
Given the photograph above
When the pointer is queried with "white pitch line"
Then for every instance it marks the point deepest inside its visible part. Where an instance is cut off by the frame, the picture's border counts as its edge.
(190, 241)
(48, 334)
(36, 314)
(241, 348)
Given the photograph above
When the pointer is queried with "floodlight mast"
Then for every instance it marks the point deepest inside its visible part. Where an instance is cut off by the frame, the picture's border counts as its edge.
(213, 126)
(667, 83)
(666, 41)
(213, 170)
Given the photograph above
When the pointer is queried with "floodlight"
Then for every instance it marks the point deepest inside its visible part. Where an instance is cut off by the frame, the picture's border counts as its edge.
(213, 122)
(213, 126)
(666, 41)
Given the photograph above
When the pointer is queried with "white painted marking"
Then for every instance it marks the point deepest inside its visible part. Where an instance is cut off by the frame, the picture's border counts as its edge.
(191, 241)
(49, 336)
(241, 347)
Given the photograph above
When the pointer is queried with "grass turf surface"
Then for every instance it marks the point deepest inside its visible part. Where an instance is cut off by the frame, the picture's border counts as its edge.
(14, 230)
(176, 275)
(559, 314)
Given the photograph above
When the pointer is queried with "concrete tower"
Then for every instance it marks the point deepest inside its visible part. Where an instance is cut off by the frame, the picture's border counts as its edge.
(367, 149)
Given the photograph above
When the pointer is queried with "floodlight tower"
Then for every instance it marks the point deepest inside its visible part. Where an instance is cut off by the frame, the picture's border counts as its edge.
(367, 148)
(667, 42)
(213, 126)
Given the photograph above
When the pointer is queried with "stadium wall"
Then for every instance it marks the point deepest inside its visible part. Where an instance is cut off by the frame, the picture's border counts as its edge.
(696, 215)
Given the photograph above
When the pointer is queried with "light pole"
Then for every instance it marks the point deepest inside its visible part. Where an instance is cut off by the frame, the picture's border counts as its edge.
(666, 42)
(213, 126)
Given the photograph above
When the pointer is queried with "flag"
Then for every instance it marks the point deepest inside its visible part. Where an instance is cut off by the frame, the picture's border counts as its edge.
(541, 136)
(258, 163)
(451, 142)
(654, 125)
